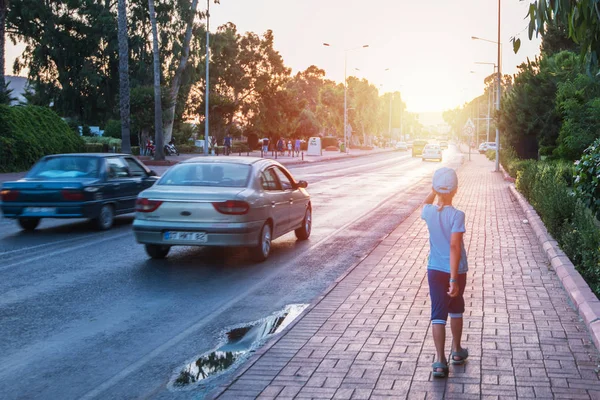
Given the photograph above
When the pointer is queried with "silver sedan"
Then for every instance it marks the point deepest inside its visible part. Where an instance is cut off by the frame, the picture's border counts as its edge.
(222, 201)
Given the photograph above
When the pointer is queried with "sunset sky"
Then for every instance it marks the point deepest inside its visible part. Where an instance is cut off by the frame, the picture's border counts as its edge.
(426, 44)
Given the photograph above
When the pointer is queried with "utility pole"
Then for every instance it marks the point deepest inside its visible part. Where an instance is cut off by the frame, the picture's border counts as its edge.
(207, 75)
(499, 92)
(390, 119)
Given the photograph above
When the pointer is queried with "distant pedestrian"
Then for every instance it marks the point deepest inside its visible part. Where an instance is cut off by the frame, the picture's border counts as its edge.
(227, 144)
(446, 269)
(280, 146)
(297, 147)
(265, 146)
(289, 147)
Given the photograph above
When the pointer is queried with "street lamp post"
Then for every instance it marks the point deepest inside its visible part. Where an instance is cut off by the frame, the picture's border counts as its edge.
(346, 91)
(207, 83)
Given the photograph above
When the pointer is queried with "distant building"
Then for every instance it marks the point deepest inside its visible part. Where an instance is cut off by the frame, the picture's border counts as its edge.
(18, 85)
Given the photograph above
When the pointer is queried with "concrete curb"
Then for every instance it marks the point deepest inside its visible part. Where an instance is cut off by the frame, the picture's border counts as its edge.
(584, 300)
(507, 177)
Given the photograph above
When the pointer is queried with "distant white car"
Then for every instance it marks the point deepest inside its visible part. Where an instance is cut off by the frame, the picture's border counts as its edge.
(485, 146)
(432, 152)
(403, 146)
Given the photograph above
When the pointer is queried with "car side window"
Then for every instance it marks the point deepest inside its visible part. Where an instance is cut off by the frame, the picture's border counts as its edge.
(268, 180)
(135, 168)
(117, 168)
(286, 182)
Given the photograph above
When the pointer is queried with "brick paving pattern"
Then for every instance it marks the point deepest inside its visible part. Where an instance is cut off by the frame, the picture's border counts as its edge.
(369, 337)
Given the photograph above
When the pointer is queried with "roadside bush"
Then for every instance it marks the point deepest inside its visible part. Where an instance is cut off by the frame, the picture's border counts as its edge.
(113, 129)
(329, 141)
(547, 186)
(188, 149)
(587, 177)
(135, 150)
(93, 147)
(31, 132)
(110, 142)
(581, 242)
(237, 147)
(491, 155)
(183, 133)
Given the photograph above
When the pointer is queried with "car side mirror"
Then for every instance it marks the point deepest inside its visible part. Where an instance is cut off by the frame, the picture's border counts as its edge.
(302, 184)
(152, 173)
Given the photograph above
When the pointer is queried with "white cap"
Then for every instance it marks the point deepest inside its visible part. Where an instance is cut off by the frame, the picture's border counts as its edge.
(445, 180)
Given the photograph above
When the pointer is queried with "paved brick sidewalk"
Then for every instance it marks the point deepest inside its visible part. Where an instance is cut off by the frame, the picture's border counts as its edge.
(369, 337)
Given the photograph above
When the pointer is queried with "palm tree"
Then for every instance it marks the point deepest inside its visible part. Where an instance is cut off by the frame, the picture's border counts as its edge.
(4, 96)
(123, 77)
(158, 138)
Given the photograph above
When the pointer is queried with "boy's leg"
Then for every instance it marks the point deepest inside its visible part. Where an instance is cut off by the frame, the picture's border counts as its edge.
(456, 309)
(438, 288)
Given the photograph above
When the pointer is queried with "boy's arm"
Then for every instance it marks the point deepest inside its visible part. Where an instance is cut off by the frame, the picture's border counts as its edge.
(430, 197)
(455, 254)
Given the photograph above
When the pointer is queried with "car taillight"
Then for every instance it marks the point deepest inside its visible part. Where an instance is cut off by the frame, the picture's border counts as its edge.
(232, 207)
(146, 205)
(72, 195)
(9, 195)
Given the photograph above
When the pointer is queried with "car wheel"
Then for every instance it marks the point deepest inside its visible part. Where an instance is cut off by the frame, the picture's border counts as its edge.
(157, 251)
(261, 251)
(304, 232)
(106, 218)
(29, 224)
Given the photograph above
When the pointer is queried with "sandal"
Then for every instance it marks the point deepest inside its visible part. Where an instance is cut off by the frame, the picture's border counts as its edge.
(463, 354)
(439, 365)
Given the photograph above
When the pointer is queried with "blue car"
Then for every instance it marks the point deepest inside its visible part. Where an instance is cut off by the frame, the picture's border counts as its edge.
(94, 186)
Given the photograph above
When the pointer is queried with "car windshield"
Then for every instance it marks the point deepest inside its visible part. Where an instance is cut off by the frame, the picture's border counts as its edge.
(67, 167)
(207, 174)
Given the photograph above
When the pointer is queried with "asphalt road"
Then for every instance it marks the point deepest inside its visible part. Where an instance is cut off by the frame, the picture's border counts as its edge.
(85, 314)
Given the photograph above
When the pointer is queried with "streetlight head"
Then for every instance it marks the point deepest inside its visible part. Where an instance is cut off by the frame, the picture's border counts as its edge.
(387, 69)
(366, 45)
(474, 38)
(326, 44)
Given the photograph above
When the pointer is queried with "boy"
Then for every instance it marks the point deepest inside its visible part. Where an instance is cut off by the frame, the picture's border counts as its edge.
(446, 269)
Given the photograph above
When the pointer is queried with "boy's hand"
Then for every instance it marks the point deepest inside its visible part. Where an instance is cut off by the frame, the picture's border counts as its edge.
(453, 291)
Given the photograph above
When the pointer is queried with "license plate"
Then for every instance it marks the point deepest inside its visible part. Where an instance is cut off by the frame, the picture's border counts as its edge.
(40, 210)
(198, 237)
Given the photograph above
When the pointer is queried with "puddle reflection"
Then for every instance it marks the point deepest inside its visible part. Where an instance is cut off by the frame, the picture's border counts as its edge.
(240, 341)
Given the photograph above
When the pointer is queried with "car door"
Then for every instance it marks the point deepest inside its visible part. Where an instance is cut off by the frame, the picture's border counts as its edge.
(140, 175)
(296, 198)
(277, 200)
(122, 187)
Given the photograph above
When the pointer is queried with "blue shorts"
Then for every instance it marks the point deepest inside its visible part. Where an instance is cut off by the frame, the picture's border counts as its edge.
(443, 305)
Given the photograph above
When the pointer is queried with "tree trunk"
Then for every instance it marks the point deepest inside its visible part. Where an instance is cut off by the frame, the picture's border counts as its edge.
(124, 78)
(176, 84)
(159, 153)
(3, 10)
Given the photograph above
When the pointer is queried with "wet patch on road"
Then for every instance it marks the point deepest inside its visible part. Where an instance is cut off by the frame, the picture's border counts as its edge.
(237, 344)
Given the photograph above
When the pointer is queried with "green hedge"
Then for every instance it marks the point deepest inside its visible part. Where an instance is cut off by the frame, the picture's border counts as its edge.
(548, 187)
(28, 133)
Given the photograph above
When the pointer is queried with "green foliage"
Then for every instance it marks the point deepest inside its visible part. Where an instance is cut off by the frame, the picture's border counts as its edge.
(86, 131)
(183, 133)
(31, 132)
(491, 155)
(110, 142)
(580, 240)
(94, 147)
(135, 150)
(188, 149)
(112, 129)
(579, 17)
(578, 101)
(529, 117)
(546, 185)
(329, 141)
(6, 95)
(587, 180)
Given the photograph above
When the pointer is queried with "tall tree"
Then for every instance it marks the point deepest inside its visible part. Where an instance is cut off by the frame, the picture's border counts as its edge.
(158, 124)
(3, 87)
(176, 82)
(124, 78)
